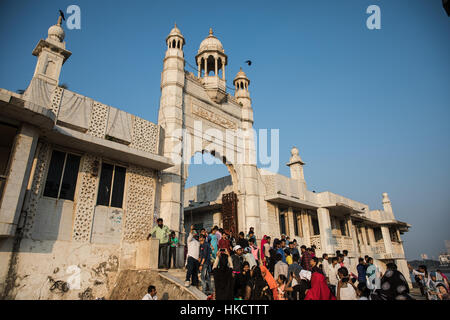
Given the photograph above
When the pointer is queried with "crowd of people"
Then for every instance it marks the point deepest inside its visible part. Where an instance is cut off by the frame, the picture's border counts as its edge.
(281, 269)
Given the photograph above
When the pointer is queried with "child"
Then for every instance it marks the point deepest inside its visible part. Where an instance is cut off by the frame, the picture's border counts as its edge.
(281, 282)
(287, 252)
(173, 244)
(151, 294)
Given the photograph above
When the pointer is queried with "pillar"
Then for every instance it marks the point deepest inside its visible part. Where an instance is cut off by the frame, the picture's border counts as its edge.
(387, 240)
(353, 235)
(223, 70)
(402, 266)
(17, 181)
(323, 215)
(290, 220)
(215, 68)
(306, 229)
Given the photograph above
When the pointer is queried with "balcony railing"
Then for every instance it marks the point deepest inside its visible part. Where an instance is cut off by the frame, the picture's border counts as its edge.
(343, 243)
(379, 248)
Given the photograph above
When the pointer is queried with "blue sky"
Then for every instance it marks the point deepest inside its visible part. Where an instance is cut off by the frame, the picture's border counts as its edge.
(368, 109)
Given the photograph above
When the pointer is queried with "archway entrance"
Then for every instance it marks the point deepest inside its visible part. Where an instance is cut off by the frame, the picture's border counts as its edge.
(209, 195)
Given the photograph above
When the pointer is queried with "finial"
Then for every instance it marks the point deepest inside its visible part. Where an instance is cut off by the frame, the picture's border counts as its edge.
(59, 21)
(175, 24)
(210, 32)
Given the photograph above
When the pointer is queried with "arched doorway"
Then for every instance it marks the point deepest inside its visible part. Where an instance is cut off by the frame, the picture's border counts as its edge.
(210, 193)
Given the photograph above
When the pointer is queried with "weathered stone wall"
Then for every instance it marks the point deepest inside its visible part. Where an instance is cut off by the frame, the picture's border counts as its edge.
(132, 285)
(63, 242)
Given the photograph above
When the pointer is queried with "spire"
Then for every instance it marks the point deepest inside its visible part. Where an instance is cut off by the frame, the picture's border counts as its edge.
(210, 31)
(296, 165)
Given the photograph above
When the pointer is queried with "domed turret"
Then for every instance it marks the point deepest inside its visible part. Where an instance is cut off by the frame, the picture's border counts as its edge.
(211, 60)
(56, 33)
(211, 43)
(175, 39)
(241, 83)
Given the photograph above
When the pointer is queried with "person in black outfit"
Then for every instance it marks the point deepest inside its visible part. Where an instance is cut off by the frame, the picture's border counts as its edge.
(223, 276)
(242, 241)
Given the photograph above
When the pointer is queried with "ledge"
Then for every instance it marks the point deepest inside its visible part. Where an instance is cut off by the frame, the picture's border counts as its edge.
(294, 202)
(106, 148)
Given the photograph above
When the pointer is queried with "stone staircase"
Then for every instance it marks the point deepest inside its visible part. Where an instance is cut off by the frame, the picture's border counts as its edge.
(177, 277)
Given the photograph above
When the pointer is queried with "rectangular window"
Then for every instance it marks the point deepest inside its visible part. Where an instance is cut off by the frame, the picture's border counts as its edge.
(315, 225)
(343, 227)
(111, 186)
(298, 230)
(394, 236)
(367, 235)
(282, 223)
(62, 175)
(377, 234)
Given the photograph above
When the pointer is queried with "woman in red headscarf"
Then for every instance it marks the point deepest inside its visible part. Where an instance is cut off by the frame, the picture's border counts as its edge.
(263, 242)
(319, 289)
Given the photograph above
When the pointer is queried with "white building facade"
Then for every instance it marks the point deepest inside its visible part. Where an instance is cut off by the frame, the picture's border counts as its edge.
(82, 183)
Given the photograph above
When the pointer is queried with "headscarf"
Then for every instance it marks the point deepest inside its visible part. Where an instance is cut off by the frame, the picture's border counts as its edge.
(394, 286)
(319, 289)
(305, 275)
(269, 278)
(223, 279)
(263, 242)
(257, 284)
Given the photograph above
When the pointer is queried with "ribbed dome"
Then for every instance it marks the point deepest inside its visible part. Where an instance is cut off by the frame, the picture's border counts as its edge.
(57, 33)
(175, 31)
(241, 75)
(211, 43)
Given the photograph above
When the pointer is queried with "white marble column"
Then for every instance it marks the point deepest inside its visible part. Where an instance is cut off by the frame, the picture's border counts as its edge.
(323, 215)
(19, 173)
(387, 240)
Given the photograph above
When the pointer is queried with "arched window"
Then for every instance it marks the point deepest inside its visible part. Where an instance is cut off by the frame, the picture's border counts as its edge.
(211, 62)
(174, 43)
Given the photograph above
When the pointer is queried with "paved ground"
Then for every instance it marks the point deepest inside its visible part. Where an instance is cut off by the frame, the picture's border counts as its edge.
(415, 293)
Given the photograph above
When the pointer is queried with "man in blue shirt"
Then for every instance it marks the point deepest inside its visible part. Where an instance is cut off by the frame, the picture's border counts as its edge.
(361, 268)
(205, 264)
(280, 249)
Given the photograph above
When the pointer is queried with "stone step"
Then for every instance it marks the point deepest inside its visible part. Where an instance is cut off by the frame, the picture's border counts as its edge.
(177, 278)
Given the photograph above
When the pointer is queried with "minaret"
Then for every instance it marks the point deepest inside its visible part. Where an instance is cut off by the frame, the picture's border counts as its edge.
(171, 119)
(296, 165)
(387, 206)
(51, 54)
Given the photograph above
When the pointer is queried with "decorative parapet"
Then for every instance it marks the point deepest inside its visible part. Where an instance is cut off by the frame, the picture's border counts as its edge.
(83, 114)
(315, 240)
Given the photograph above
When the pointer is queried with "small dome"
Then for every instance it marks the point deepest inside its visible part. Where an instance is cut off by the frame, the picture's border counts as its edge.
(175, 31)
(57, 33)
(211, 43)
(241, 75)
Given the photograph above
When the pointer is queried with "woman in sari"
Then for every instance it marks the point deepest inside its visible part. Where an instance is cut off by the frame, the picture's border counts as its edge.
(319, 288)
(213, 241)
(263, 258)
(270, 281)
